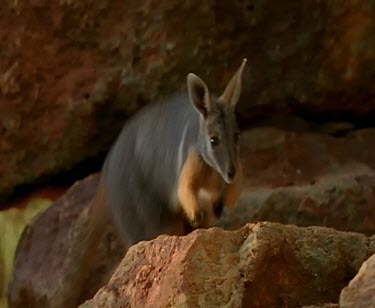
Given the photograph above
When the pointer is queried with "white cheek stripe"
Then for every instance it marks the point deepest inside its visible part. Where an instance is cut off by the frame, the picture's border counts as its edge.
(180, 154)
(181, 150)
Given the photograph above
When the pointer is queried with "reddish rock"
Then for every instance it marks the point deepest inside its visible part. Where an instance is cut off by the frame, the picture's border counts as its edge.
(360, 293)
(72, 71)
(261, 265)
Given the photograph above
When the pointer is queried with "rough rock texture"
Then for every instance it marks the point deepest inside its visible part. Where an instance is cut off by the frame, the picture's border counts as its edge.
(286, 180)
(327, 305)
(307, 179)
(43, 264)
(360, 293)
(261, 265)
(71, 71)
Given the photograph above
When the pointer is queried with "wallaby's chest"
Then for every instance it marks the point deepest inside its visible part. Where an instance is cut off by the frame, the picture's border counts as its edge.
(211, 185)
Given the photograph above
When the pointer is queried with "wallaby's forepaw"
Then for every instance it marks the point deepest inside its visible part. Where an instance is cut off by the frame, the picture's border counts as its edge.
(197, 219)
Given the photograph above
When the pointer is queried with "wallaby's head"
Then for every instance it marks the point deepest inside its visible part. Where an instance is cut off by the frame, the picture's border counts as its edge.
(219, 132)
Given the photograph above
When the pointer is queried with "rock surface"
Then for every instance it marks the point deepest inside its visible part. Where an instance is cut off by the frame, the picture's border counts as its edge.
(261, 265)
(327, 305)
(360, 293)
(286, 180)
(307, 179)
(72, 71)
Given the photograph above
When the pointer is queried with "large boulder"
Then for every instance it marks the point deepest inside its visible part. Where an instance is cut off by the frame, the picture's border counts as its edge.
(262, 265)
(72, 71)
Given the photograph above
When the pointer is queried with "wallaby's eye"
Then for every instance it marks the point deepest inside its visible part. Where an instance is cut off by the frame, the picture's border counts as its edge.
(214, 140)
(236, 136)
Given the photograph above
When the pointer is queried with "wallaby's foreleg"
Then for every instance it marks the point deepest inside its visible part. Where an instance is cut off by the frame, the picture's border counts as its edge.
(188, 185)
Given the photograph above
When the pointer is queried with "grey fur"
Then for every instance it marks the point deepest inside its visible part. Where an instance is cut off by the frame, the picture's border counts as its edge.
(141, 172)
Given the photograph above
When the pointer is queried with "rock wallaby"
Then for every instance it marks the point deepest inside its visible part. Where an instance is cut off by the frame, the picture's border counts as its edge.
(173, 167)
(170, 156)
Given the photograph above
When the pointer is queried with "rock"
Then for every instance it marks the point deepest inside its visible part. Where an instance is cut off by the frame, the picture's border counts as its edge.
(361, 289)
(327, 305)
(72, 71)
(12, 222)
(43, 265)
(259, 265)
(294, 178)
(307, 179)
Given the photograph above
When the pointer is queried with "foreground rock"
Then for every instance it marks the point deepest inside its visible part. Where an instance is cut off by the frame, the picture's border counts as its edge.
(261, 265)
(68, 81)
(361, 290)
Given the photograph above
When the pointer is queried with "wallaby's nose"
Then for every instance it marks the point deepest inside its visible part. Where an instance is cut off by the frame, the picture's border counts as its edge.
(231, 172)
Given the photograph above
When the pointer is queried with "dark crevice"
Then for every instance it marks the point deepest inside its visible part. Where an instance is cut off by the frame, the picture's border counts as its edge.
(295, 118)
(327, 115)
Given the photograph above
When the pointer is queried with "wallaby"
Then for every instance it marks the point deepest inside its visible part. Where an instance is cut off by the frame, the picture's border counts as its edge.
(173, 168)
(167, 155)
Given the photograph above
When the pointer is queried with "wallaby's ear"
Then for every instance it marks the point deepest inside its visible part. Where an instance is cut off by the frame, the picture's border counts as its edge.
(232, 92)
(198, 93)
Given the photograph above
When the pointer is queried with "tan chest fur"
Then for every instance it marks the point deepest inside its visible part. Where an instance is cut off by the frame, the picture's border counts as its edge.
(200, 187)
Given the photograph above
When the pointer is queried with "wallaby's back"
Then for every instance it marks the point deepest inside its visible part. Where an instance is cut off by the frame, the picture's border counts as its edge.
(141, 171)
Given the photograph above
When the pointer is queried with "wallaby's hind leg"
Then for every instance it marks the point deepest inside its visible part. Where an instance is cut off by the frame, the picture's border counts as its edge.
(142, 216)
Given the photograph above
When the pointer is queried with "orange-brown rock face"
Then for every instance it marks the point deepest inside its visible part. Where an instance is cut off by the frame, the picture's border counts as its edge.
(72, 71)
(261, 265)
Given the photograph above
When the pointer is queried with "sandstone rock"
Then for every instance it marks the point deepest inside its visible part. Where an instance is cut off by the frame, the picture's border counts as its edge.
(261, 265)
(43, 266)
(360, 293)
(72, 71)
